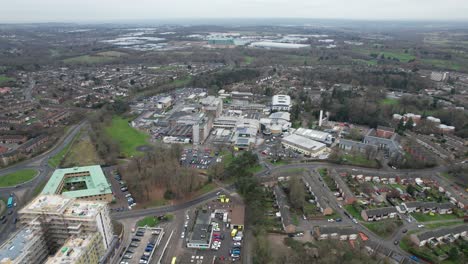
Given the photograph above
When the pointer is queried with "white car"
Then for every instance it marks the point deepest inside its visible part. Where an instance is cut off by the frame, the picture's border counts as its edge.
(331, 220)
(237, 238)
(182, 235)
(420, 226)
(355, 221)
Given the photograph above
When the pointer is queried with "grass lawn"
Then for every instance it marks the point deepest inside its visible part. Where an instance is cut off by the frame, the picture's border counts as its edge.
(359, 160)
(403, 57)
(383, 228)
(372, 62)
(181, 82)
(444, 64)
(38, 188)
(3, 205)
(82, 153)
(352, 211)
(149, 221)
(206, 188)
(89, 59)
(248, 60)
(127, 137)
(437, 225)
(17, 177)
(5, 79)
(280, 163)
(156, 203)
(426, 217)
(55, 160)
(255, 169)
(389, 101)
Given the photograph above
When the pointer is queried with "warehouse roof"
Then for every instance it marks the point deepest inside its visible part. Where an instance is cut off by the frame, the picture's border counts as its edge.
(303, 142)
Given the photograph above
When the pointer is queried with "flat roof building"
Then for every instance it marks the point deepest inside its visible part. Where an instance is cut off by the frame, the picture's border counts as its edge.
(303, 145)
(200, 237)
(79, 250)
(316, 135)
(281, 102)
(25, 246)
(88, 183)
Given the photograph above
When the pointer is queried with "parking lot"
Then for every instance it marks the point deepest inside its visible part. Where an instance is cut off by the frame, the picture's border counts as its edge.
(224, 247)
(144, 243)
(199, 158)
(123, 198)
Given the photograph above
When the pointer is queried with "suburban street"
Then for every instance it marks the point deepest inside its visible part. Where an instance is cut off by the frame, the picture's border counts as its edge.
(23, 194)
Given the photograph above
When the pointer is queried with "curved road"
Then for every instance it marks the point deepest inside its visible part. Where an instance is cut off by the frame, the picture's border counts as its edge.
(23, 193)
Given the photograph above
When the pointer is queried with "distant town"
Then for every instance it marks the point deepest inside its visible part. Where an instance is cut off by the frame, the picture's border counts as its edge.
(220, 144)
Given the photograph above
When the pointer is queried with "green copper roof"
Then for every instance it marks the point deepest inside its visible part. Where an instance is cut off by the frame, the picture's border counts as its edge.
(96, 182)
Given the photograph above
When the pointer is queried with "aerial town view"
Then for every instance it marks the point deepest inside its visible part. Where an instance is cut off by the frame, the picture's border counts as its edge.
(253, 132)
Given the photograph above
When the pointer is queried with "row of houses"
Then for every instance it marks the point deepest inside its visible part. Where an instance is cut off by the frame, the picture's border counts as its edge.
(410, 207)
(284, 213)
(320, 202)
(23, 151)
(340, 233)
(346, 193)
(426, 207)
(378, 214)
(440, 236)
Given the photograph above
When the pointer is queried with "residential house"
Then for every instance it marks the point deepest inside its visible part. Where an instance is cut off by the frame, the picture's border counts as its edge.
(284, 213)
(341, 233)
(379, 213)
(428, 207)
(440, 236)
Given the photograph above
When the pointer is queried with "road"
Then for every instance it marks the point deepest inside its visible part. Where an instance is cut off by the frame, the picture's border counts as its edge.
(40, 163)
(24, 192)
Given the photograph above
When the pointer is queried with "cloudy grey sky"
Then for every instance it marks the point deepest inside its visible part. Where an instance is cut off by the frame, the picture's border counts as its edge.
(111, 10)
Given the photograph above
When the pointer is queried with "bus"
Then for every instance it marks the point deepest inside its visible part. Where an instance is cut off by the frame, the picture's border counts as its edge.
(10, 202)
(173, 260)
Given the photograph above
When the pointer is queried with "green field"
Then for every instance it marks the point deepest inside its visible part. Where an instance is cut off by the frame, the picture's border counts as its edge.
(436, 217)
(403, 57)
(384, 228)
(443, 224)
(352, 211)
(248, 60)
(181, 82)
(17, 177)
(5, 79)
(149, 221)
(444, 64)
(372, 62)
(55, 160)
(90, 59)
(82, 153)
(359, 160)
(389, 101)
(127, 137)
(206, 188)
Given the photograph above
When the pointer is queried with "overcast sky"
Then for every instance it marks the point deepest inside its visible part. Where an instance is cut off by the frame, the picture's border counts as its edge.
(112, 10)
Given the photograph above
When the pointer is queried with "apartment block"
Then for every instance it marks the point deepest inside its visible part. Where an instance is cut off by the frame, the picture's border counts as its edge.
(25, 246)
(79, 250)
(60, 218)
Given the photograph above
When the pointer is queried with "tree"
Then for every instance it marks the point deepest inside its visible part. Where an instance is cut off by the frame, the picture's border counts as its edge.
(453, 253)
(411, 190)
(409, 124)
(296, 192)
